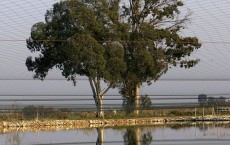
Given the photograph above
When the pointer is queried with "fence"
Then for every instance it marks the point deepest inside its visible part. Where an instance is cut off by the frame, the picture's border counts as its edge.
(21, 109)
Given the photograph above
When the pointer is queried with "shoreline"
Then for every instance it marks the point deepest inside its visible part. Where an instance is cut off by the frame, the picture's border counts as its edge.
(55, 125)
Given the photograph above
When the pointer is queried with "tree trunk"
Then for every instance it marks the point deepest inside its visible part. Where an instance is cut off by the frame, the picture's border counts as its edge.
(132, 95)
(98, 96)
(100, 112)
(137, 99)
(100, 136)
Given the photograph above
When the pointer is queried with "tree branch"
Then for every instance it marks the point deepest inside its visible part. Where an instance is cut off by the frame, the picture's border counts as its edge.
(107, 89)
(179, 22)
(93, 89)
(92, 84)
(96, 87)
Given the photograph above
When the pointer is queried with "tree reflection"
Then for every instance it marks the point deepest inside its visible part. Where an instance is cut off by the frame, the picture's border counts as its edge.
(100, 136)
(203, 127)
(134, 136)
(14, 139)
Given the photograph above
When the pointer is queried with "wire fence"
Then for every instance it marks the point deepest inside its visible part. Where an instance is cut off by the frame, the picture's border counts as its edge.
(21, 109)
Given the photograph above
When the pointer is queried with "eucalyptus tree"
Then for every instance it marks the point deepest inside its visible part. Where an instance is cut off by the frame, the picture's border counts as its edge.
(80, 38)
(154, 42)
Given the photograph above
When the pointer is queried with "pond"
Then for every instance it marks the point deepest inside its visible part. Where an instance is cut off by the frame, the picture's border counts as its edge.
(174, 134)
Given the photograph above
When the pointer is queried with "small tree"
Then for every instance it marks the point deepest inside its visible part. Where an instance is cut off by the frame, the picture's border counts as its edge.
(221, 100)
(30, 112)
(202, 99)
(212, 100)
(145, 102)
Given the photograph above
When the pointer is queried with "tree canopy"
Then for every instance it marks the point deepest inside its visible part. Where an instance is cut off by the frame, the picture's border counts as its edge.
(115, 41)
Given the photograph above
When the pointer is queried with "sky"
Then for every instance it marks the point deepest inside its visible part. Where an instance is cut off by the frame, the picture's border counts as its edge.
(209, 22)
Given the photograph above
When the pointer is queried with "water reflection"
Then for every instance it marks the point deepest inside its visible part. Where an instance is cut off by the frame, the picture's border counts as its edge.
(136, 136)
(132, 136)
(100, 136)
(14, 138)
(199, 134)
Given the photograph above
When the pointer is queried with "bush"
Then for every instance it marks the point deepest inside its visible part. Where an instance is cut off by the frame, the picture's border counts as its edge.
(30, 112)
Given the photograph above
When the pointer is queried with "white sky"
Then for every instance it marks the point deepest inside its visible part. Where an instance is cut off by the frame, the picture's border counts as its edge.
(209, 22)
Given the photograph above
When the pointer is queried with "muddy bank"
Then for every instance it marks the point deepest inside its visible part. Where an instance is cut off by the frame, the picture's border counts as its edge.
(54, 125)
(43, 125)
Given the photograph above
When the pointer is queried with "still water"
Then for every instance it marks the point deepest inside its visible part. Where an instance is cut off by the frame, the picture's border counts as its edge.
(179, 134)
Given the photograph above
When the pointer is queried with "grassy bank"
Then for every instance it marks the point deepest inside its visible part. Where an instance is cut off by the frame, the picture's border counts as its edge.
(40, 118)
(42, 113)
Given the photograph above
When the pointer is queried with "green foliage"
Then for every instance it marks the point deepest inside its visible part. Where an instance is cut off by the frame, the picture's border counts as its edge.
(128, 43)
(61, 115)
(221, 100)
(202, 99)
(145, 102)
(180, 113)
(128, 103)
(211, 101)
(30, 112)
(73, 39)
(217, 101)
(154, 42)
(80, 38)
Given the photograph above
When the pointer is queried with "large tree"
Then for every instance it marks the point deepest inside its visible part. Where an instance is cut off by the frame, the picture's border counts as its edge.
(153, 43)
(80, 38)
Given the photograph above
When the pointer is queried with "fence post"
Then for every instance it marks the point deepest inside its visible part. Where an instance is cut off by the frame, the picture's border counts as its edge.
(195, 112)
(203, 113)
(37, 113)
